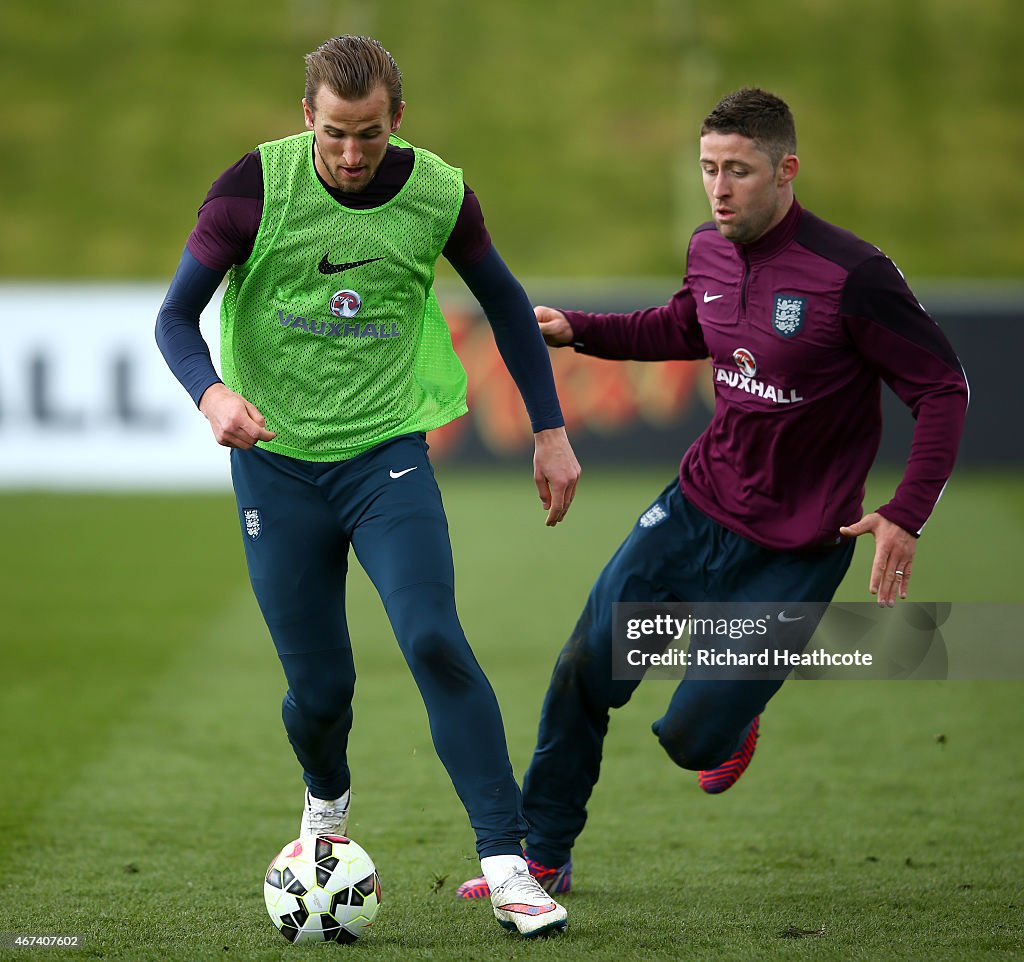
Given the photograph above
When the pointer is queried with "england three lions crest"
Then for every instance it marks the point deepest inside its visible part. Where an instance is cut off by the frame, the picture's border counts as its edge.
(788, 316)
(253, 525)
(654, 515)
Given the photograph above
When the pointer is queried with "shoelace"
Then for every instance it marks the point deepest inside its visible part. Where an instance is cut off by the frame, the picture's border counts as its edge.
(325, 818)
(325, 813)
(521, 886)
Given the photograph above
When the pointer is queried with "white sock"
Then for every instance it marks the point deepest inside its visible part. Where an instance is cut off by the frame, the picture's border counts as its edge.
(498, 869)
(330, 804)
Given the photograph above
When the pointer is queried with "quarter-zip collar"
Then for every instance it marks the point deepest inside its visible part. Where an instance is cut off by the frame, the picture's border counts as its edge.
(775, 240)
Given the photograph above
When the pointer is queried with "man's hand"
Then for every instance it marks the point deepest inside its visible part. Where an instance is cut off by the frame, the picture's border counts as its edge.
(234, 421)
(555, 471)
(894, 556)
(554, 326)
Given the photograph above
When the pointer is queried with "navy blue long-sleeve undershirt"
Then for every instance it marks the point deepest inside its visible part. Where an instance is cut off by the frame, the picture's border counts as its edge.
(501, 296)
(177, 325)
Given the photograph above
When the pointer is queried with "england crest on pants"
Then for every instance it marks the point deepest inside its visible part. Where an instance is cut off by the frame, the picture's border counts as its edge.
(253, 527)
(652, 516)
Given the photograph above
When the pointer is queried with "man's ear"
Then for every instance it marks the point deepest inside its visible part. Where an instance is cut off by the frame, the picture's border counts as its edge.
(396, 120)
(788, 169)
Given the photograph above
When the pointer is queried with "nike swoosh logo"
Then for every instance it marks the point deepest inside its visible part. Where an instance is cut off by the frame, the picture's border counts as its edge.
(326, 267)
(398, 474)
(783, 618)
(708, 298)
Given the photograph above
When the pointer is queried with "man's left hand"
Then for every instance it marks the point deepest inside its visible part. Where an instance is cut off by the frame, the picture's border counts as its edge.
(555, 471)
(894, 556)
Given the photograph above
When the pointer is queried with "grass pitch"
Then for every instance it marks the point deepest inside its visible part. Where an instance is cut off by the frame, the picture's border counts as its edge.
(148, 779)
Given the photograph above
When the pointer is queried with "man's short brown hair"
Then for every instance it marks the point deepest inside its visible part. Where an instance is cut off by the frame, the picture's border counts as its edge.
(352, 68)
(759, 115)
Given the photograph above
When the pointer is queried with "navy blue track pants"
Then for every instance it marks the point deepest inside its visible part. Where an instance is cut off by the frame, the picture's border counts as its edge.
(298, 520)
(682, 556)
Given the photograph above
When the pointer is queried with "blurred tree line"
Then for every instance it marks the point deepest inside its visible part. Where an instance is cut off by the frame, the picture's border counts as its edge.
(575, 122)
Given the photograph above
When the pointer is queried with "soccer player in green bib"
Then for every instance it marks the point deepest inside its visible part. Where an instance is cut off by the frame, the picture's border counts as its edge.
(335, 361)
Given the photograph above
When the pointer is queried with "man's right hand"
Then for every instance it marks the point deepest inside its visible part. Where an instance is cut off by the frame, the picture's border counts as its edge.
(234, 421)
(554, 326)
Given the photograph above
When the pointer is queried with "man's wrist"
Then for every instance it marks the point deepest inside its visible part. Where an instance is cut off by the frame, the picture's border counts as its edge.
(206, 395)
(546, 435)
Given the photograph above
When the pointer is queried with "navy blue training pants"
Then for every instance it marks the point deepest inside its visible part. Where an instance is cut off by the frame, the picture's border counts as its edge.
(298, 519)
(682, 556)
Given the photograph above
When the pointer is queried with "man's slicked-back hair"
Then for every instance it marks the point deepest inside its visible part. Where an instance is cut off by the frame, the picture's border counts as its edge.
(758, 115)
(352, 68)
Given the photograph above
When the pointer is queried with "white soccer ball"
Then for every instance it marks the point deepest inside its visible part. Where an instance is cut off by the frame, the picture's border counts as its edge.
(322, 888)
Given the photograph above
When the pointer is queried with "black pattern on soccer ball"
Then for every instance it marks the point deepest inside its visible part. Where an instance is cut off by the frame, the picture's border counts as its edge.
(291, 883)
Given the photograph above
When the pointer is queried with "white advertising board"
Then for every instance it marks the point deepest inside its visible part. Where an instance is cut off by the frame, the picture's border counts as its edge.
(86, 400)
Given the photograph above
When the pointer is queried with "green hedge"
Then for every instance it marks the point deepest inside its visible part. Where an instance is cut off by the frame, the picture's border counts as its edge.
(576, 123)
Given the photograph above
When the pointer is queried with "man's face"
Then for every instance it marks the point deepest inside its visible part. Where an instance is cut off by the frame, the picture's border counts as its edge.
(351, 135)
(748, 194)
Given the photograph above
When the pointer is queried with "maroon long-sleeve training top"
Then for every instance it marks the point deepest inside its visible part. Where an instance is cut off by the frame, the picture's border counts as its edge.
(802, 327)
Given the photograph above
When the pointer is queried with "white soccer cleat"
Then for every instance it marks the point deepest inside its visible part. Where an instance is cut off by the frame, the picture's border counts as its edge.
(520, 904)
(325, 817)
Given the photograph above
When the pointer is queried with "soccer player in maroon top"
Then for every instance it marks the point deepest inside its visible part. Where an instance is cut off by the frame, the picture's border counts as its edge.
(802, 322)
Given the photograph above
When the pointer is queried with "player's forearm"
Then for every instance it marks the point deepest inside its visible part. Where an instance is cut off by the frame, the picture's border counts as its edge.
(517, 337)
(177, 326)
(937, 431)
(662, 333)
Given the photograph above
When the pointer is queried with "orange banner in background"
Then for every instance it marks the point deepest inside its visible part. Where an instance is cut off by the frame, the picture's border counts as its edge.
(599, 398)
